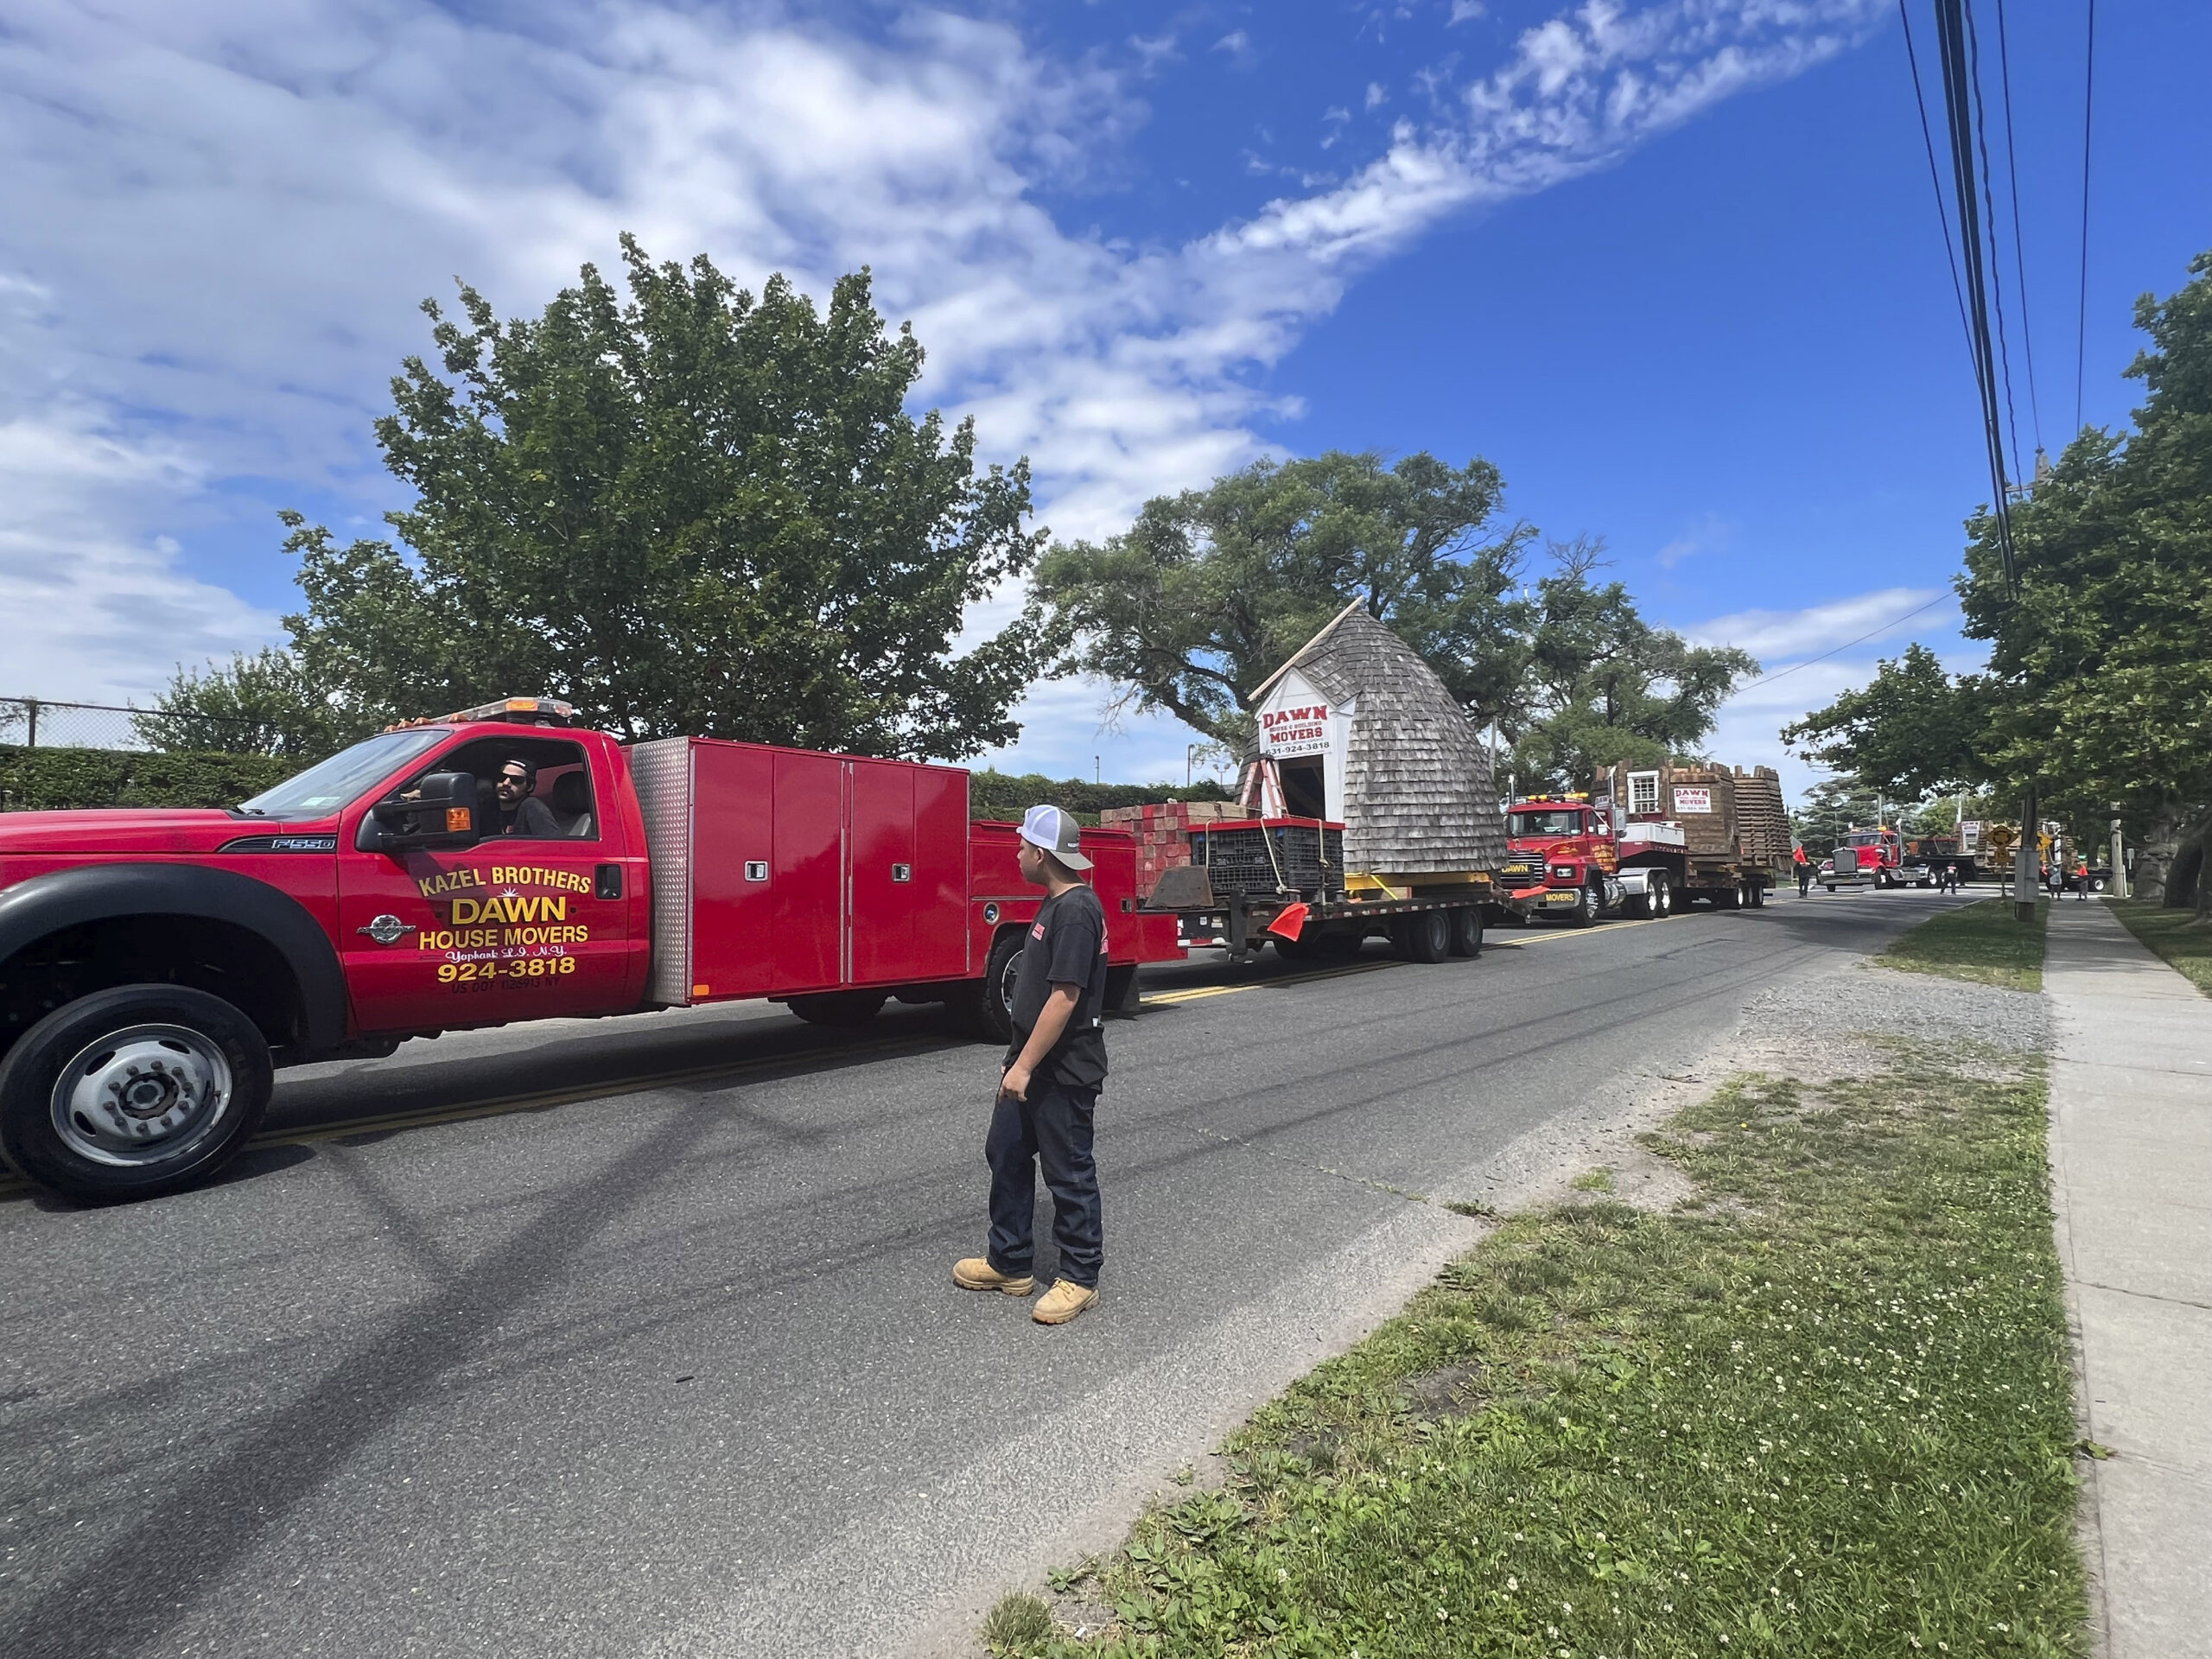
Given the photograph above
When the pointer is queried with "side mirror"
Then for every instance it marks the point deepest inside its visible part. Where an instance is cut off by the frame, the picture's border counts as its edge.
(440, 812)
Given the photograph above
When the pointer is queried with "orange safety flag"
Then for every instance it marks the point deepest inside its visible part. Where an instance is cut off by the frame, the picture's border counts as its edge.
(1290, 924)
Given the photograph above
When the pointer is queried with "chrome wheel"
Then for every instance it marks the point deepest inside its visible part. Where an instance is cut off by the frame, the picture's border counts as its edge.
(144, 1094)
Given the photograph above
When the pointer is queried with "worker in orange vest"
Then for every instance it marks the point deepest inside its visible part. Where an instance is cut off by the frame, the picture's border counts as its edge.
(1804, 871)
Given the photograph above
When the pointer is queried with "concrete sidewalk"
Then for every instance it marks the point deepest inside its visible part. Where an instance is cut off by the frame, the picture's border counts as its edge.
(2130, 1096)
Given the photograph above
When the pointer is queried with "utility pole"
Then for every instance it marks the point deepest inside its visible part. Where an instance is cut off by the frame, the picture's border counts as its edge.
(2027, 871)
(2119, 862)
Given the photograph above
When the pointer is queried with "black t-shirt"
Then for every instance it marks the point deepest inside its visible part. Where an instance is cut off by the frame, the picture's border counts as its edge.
(530, 817)
(1066, 946)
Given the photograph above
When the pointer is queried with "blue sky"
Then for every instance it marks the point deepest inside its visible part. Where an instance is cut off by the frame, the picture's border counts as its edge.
(1673, 266)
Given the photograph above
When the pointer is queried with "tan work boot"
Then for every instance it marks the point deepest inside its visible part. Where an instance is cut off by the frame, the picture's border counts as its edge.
(976, 1272)
(1062, 1303)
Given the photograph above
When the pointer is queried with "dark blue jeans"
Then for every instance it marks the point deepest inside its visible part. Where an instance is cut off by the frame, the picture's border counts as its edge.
(1052, 1129)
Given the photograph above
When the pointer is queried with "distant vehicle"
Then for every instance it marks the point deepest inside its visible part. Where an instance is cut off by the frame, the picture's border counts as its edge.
(1876, 857)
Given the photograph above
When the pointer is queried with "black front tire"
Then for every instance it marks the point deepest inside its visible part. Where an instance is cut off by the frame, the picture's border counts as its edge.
(212, 1124)
(1587, 905)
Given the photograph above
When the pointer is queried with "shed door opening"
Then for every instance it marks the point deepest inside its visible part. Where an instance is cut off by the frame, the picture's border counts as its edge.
(1305, 792)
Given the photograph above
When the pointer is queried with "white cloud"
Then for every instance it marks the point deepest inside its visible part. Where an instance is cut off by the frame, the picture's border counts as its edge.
(1464, 11)
(1376, 97)
(1774, 637)
(1801, 674)
(214, 222)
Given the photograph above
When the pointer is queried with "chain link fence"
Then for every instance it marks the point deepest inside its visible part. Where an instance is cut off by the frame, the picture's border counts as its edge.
(57, 754)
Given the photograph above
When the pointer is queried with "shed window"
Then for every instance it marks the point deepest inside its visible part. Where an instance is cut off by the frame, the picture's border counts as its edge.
(1643, 792)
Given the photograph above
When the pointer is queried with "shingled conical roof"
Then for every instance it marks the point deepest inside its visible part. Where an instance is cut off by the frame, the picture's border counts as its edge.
(1418, 797)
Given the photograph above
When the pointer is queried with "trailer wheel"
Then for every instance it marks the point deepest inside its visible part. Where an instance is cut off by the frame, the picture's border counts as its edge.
(1758, 895)
(1423, 935)
(1467, 931)
(133, 1092)
(837, 1007)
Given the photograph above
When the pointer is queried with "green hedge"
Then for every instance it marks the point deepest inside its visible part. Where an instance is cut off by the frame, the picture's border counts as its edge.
(47, 779)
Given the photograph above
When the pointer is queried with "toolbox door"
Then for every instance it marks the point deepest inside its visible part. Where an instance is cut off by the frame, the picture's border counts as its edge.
(883, 884)
(941, 946)
(807, 873)
(734, 922)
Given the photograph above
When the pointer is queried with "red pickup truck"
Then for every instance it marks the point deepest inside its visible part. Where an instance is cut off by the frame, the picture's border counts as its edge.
(156, 966)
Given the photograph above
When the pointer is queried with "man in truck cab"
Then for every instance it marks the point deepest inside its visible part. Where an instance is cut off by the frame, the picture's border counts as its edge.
(1049, 1089)
(521, 813)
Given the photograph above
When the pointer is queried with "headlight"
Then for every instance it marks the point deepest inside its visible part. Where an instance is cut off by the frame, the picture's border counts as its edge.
(1564, 871)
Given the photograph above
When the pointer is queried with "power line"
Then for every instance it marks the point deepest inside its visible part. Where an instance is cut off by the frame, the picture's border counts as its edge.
(1934, 177)
(1957, 108)
(1989, 217)
(2020, 243)
(1769, 679)
(2082, 315)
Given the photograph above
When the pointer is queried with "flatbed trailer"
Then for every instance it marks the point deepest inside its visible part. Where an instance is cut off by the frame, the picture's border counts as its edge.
(1302, 900)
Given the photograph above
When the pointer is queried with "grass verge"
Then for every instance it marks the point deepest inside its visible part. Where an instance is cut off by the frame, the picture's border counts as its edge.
(1980, 941)
(2175, 935)
(1823, 1408)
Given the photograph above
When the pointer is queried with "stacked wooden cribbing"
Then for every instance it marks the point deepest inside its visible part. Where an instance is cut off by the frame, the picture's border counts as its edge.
(1762, 821)
(1163, 832)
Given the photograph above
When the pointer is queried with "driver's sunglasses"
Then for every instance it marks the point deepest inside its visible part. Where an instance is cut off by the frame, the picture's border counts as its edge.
(514, 778)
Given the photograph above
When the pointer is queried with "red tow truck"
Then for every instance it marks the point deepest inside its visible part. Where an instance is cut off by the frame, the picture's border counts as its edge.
(1878, 857)
(156, 966)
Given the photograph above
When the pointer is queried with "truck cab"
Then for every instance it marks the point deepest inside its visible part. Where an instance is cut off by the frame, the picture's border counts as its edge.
(156, 966)
(1563, 857)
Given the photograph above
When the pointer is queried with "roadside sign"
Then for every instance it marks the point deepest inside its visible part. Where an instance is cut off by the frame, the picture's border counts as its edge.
(1687, 799)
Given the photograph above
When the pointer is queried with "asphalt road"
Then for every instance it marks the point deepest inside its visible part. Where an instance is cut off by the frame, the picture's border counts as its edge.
(636, 1337)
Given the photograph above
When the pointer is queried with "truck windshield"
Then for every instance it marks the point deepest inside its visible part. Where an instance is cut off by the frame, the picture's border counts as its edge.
(1523, 826)
(328, 784)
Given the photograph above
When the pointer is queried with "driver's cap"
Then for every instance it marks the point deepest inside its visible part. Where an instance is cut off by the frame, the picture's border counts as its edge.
(1053, 830)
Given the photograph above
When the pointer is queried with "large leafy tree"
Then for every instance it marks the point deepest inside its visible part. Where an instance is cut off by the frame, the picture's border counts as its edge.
(1198, 600)
(1603, 685)
(2099, 689)
(694, 510)
(1913, 731)
(265, 703)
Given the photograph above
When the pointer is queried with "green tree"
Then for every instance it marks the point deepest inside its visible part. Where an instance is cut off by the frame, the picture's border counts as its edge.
(693, 511)
(265, 704)
(1604, 686)
(1201, 598)
(1830, 807)
(1913, 731)
(2102, 661)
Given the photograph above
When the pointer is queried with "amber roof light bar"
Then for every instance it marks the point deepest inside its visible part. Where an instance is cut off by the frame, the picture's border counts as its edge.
(507, 711)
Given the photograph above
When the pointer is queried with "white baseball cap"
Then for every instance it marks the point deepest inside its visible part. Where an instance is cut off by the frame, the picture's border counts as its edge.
(1053, 830)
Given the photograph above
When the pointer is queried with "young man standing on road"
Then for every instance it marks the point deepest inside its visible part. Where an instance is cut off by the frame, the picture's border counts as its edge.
(1804, 871)
(1049, 1089)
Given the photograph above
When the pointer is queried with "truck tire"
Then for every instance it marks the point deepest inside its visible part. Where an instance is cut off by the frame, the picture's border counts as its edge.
(1424, 936)
(845, 1009)
(132, 1092)
(1586, 907)
(994, 1008)
(1659, 896)
(1467, 931)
